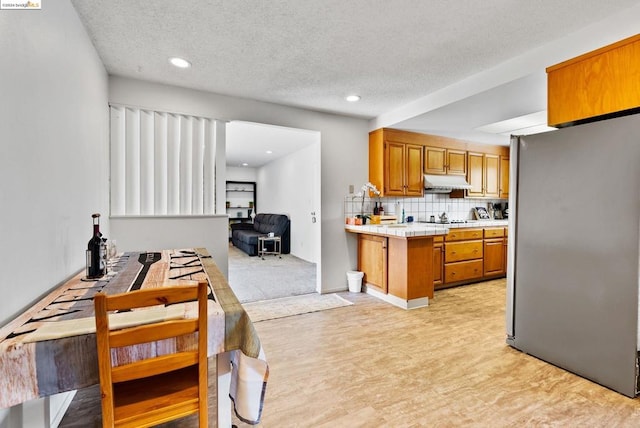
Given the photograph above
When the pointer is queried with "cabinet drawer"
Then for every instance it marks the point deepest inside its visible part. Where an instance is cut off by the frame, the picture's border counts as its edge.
(438, 239)
(459, 251)
(461, 271)
(494, 233)
(463, 234)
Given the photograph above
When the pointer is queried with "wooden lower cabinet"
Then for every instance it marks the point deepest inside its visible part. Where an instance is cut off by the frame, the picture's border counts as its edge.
(494, 261)
(461, 251)
(469, 255)
(438, 261)
(372, 260)
(401, 267)
(462, 271)
(409, 267)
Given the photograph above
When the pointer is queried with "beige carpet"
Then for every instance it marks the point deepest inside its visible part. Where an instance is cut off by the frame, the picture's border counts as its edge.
(294, 305)
(253, 279)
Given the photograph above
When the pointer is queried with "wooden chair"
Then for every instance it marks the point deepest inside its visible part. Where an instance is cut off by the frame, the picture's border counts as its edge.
(161, 388)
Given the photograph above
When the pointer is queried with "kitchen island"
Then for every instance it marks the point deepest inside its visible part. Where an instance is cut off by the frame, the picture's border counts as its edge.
(401, 262)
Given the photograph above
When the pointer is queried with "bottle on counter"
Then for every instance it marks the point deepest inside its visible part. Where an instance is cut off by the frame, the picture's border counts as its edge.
(376, 210)
(96, 252)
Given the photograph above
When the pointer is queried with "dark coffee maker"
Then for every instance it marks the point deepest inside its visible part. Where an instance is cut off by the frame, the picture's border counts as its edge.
(505, 210)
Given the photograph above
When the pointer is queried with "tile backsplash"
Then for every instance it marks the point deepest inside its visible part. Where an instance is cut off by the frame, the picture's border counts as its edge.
(420, 208)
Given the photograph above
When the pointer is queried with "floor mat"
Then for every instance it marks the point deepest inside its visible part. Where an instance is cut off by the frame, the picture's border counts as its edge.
(294, 305)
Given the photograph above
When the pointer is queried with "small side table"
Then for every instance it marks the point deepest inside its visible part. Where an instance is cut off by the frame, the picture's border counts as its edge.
(262, 246)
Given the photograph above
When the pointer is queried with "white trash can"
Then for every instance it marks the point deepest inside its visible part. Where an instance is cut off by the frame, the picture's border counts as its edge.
(355, 281)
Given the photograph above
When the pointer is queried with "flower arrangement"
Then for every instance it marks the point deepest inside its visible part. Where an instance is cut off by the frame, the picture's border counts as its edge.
(367, 188)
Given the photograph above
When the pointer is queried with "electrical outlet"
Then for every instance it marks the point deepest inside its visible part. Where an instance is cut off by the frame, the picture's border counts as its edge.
(350, 188)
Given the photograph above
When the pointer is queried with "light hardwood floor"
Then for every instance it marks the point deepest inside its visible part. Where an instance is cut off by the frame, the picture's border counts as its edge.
(374, 365)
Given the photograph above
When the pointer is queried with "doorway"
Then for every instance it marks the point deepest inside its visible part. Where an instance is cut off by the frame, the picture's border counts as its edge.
(285, 165)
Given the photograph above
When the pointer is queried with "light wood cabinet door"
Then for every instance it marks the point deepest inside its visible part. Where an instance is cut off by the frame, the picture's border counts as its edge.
(497, 232)
(456, 162)
(506, 251)
(459, 251)
(483, 175)
(475, 174)
(438, 263)
(504, 177)
(403, 169)
(414, 180)
(494, 260)
(394, 169)
(462, 271)
(372, 260)
(463, 234)
(441, 161)
(435, 160)
(600, 82)
(491, 176)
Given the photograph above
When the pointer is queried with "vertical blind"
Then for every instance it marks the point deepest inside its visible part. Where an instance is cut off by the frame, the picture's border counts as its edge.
(161, 163)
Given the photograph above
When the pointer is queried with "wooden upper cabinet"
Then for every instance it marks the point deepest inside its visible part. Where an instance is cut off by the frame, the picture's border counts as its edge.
(605, 81)
(394, 168)
(491, 176)
(441, 161)
(475, 175)
(402, 174)
(414, 180)
(456, 162)
(483, 175)
(504, 177)
(434, 160)
(399, 159)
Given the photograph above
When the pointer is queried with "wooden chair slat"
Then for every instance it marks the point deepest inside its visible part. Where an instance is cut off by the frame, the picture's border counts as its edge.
(153, 366)
(160, 388)
(152, 332)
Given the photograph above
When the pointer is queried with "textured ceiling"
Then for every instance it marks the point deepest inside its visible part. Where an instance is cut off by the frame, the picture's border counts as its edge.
(249, 143)
(311, 53)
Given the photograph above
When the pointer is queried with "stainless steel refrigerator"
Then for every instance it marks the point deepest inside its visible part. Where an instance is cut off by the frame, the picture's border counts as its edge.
(573, 261)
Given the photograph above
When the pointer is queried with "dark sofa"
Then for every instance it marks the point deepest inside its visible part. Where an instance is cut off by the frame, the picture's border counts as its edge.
(245, 235)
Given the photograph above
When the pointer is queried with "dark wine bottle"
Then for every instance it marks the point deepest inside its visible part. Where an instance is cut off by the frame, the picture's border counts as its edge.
(96, 266)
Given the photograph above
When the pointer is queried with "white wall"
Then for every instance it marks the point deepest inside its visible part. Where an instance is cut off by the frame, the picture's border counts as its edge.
(235, 173)
(287, 186)
(54, 161)
(153, 233)
(344, 153)
(53, 154)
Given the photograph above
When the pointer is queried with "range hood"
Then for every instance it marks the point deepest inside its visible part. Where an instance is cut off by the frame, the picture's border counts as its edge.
(444, 183)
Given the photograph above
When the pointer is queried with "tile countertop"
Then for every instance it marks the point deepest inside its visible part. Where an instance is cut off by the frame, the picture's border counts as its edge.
(421, 229)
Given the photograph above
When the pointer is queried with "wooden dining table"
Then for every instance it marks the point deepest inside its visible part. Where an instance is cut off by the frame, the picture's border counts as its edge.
(51, 347)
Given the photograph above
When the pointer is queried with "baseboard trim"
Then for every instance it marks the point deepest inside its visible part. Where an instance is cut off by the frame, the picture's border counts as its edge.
(397, 301)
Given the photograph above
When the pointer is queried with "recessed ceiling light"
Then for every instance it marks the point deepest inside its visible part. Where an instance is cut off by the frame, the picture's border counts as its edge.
(245, 164)
(268, 152)
(352, 98)
(180, 62)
